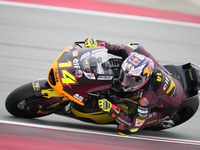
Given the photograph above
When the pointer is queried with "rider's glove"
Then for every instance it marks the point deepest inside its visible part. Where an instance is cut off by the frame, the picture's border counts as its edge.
(90, 42)
(110, 108)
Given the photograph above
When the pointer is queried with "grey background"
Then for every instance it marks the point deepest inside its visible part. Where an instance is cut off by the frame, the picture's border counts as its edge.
(181, 6)
(31, 39)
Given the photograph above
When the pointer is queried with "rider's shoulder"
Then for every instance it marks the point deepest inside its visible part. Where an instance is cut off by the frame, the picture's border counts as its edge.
(135, 46)
(156, 79)
(156, 71)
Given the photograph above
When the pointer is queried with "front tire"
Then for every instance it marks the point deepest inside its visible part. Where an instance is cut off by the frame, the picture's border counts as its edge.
(20, 95)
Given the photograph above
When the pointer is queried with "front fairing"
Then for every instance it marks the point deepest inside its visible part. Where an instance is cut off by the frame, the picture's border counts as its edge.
(73, 75)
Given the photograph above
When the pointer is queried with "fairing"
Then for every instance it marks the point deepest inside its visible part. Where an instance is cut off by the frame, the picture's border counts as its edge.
(77, 72)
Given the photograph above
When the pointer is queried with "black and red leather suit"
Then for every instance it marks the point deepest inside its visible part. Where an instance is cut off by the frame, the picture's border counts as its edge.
(160, 99)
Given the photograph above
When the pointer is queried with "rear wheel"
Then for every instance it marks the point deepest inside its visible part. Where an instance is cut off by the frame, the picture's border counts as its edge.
(187, 109)
(17, 100)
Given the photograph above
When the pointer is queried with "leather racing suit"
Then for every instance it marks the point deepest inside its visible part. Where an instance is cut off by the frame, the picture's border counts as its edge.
(160, 98)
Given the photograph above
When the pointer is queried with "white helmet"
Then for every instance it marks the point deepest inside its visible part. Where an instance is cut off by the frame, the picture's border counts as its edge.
(135, 72)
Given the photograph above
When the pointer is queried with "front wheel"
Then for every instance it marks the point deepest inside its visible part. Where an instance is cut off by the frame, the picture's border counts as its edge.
(16, 102)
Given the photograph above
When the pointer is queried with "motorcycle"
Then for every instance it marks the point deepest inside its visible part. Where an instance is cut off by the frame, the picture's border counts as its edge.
(80, 76)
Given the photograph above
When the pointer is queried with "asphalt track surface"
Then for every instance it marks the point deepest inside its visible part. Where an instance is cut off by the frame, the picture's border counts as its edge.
(32, 38)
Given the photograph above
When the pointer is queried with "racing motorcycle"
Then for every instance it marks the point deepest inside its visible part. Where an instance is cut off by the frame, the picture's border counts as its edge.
(80, 76)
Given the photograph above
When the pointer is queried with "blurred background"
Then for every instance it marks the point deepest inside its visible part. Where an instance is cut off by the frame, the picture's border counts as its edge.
(183, 6)
(31, 38)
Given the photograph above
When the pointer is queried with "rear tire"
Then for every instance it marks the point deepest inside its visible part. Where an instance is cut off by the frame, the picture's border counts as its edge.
(20, 94)
(187, 109)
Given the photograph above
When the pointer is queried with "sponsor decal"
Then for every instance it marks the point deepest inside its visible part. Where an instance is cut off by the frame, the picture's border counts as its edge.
(76, 64)
(142, 110)
(143, 102)
(129, 66)
(142, 115)
(85, 55)
(105, 77)
(136, 59)
(75, 53)
(133, 60)
(89, 75)
(121, 127)
(154, 114)
(157, 121)
(166, 82)
(190, 74)
(78, 97)
(154, 121)
(169, 86)
(36, 86)
(121, 121)
(136, 72)
(79, 73)
(113, 116)
(55, 71)
(139, 122)
(69, 49)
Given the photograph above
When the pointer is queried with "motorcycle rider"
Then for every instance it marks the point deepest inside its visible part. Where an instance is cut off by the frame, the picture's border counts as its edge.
(160, 93)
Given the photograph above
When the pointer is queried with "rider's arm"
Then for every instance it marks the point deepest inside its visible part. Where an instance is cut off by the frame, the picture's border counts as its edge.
(123, 50)
(134, 121)
(128, 123)
(115, 49)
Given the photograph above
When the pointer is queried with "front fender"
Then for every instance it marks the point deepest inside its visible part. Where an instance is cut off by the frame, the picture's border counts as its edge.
(42, 88)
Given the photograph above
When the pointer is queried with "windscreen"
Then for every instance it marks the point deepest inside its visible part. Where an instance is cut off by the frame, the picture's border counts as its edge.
(94, 61)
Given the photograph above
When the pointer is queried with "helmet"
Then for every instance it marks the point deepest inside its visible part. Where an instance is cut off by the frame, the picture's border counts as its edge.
(135, 72)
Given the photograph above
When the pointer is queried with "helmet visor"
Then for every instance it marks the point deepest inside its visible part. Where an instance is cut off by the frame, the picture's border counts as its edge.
(129, 81)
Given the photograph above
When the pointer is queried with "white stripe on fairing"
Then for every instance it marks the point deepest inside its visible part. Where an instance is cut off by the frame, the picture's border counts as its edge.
(149, 138)
(105, 14)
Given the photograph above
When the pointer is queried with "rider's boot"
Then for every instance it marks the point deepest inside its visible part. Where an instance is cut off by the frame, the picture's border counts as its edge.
(168, 123)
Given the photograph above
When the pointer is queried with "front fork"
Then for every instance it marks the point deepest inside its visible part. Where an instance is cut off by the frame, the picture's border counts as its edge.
(52, 99)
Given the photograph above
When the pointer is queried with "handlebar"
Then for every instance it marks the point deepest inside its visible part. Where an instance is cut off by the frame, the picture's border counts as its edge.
(78, 43)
